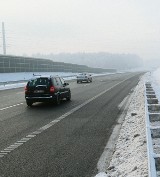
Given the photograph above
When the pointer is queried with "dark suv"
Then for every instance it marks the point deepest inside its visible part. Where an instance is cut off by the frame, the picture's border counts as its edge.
(46, 89)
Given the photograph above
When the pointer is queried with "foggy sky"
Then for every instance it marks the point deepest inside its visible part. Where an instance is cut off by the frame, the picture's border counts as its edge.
(55, 26)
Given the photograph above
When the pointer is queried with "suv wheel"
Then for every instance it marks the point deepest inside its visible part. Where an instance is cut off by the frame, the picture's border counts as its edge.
(69, 97)
(29, 103)
(58, 101)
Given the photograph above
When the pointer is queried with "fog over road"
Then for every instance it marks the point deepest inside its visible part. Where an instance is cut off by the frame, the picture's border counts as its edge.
(73, 135)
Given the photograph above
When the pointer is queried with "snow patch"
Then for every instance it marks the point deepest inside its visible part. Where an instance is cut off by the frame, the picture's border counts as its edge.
(17, 80)
(102, 174)
(130, 156)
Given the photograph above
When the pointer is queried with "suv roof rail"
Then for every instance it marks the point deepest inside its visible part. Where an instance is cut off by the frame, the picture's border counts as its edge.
(36, 74)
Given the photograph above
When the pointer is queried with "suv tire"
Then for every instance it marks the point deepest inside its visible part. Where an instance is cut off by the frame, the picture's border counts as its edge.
(58, 101)
(69, 97)
(29, 103)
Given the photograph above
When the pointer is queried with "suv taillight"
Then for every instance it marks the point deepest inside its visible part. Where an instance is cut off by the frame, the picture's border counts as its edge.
(52, 89)
(26, 88)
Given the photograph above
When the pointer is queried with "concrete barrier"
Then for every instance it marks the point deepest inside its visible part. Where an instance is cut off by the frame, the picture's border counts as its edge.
(157, 164)
(148, 85)
(150, 93)
(152, 101)
(152, 131)
(154, 117)
(155, 133)
(151, 96)
(149, 90)
(154, 108)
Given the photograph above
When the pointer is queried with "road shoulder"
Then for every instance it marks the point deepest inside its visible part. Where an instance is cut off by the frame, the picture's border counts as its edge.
(129, 156)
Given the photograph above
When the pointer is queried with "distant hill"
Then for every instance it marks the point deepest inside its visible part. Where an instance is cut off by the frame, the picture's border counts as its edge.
(101, 60)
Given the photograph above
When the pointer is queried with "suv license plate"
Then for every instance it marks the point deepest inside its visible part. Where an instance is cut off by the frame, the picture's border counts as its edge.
(39, 91)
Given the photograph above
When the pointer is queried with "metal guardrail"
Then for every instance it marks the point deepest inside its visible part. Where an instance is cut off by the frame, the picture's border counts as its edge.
(152, 114)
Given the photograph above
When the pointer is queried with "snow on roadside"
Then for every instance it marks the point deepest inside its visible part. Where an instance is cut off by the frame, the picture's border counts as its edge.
(22, 76)
(130, 156)
(6, 79)
(12, 86)
(102, 174)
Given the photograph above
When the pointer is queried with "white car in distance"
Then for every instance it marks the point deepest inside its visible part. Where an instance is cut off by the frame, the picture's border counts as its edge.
(84, 77)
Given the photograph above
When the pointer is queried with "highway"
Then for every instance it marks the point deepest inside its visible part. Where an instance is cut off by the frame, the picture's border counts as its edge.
(61, 141)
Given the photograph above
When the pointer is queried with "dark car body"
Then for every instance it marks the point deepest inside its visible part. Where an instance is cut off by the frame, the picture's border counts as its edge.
(46, 89)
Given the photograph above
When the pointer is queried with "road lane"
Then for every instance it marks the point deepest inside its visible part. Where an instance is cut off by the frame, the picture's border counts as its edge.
(14, 96)
(53, 122)
(50, 112)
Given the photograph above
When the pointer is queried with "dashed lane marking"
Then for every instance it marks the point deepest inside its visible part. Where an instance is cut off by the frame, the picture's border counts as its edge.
(19, 93)
(86, 85)
(11, 106)
(45, 127)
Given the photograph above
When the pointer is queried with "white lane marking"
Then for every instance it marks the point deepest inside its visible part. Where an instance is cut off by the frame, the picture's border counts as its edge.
(40, 130)
(11, 106)
(31, 136)
(14, 145)
(21, 141)
(18, 143)
(86, 85)
(19, 93)
(2, 154)
(110, 146)
(10, 148)
(5, 151)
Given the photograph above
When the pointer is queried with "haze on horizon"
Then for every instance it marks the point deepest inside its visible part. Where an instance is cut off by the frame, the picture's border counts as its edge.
(70, 26)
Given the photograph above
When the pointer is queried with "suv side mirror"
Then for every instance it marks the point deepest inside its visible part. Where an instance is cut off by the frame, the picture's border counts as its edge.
(65, 84)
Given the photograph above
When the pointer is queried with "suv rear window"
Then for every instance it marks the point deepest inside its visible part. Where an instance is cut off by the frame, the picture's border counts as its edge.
(39, 81)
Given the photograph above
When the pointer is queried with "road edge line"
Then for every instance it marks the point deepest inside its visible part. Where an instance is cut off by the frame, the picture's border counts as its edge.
(106, 156)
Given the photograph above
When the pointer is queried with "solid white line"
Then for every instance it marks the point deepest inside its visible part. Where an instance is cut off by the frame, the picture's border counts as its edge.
(8, 149)
(30, 136)
(106, 156)
(25, 139)
(5, 151)
(18, 143)
(10, 106)
(19, 92)
(45, 127)
(36, 132)
(21, 141)
(11, 148)
(14, 145)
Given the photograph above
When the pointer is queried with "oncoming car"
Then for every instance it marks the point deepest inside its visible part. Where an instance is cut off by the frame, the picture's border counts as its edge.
(46, 89)
(84, 77)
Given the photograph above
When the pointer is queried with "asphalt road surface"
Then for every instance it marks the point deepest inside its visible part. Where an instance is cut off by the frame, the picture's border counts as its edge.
(61, 141)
